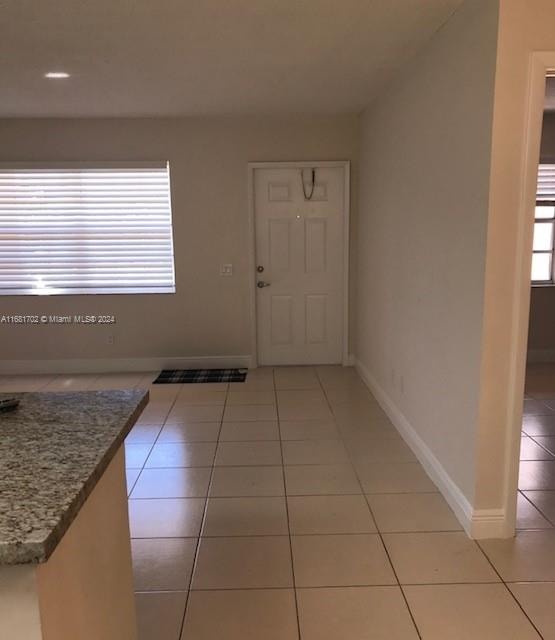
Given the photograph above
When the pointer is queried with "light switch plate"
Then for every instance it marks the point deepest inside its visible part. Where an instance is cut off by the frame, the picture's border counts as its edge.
(226, 270)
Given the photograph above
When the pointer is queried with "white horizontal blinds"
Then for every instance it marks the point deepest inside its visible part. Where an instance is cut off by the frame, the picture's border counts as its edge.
(86, 230)
(546, 183)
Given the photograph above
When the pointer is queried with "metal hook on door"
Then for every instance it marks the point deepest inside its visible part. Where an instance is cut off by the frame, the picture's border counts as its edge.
(313, 184)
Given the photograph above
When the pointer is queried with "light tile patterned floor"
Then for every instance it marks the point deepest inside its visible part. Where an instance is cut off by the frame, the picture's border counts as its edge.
(289, 508)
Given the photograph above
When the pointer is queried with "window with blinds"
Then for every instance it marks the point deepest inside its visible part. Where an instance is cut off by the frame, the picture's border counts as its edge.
(542, 257)
(86, 230)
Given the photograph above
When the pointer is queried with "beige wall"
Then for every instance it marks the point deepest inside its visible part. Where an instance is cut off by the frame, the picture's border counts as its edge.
(541, 337)
(424, 177)
(209, 315)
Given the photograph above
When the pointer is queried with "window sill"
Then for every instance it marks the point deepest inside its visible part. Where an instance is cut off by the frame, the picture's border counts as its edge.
(88, 291)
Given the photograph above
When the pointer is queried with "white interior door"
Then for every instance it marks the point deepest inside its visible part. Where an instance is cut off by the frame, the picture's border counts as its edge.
(300, 251)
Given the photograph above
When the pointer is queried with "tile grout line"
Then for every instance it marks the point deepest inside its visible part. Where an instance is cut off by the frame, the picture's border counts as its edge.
(204, 511)
(539, 444)
(306, 535)
(519, 491)
(163, 422)
(506, 585)
(342, 586)
(139, 469)
(299, 464)
(203, 520)
(287, 510)
(187, 591)
(300, 495)
(376, 524)
(139, 474)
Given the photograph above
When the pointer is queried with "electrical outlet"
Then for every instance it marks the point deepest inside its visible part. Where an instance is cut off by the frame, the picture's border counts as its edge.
(226, 270)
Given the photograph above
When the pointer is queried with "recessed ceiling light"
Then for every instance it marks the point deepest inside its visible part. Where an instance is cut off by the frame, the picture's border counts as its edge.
(56, 75)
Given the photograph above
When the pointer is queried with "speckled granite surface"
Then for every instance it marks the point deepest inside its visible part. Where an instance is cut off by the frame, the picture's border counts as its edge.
(53, 450)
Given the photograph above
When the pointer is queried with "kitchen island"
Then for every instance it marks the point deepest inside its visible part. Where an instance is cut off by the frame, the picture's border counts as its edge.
(65, 559)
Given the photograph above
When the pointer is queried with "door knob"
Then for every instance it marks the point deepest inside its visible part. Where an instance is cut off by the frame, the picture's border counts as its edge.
(262, 284)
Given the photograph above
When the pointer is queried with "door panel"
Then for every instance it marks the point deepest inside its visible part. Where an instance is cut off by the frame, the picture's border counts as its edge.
(316, 249)
(281, 320)
(279, 243)
(316, 319)
(300, 246)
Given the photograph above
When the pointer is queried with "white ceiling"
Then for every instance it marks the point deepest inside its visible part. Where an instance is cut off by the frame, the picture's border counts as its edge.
(206, 57)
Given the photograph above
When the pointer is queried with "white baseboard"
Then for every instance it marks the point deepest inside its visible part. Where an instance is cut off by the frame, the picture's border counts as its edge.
(540, 355)
(489, 523)
(478, 524)
(119, 365)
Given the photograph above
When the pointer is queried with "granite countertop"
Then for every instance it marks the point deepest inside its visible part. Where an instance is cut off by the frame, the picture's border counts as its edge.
(53, 450)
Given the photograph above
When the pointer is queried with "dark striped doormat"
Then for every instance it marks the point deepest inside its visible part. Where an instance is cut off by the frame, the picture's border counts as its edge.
(195, 376)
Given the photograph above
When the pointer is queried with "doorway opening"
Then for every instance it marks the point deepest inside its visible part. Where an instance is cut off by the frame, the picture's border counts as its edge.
(536, 483)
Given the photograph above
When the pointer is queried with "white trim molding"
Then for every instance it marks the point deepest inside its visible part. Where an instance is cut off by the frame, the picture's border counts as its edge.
(478, 524)
(121, 365)
(541, 64)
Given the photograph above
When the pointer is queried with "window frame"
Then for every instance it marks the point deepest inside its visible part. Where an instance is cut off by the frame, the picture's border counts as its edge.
(98, 166)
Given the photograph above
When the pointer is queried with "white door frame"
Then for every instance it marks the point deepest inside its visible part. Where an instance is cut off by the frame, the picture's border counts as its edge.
(346, 166)
(541, 64)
